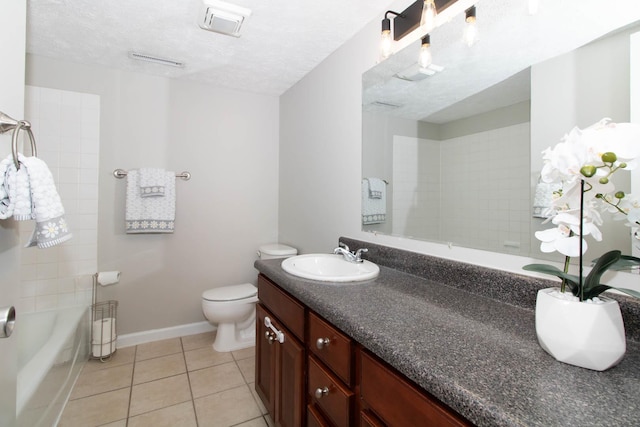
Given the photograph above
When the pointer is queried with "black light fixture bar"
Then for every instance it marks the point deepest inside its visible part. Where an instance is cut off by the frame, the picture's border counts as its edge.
(410, 17)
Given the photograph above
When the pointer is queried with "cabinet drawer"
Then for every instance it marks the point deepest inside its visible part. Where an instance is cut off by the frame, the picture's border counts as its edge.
(329, 394)
(397, 402)
(288, 310)
(315, 419)
(331, 346)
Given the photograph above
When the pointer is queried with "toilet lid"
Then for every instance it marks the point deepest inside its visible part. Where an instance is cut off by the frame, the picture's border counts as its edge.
(230, 293)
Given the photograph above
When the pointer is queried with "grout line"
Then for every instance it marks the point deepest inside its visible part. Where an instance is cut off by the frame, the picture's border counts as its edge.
(193, 401)
(133, 371)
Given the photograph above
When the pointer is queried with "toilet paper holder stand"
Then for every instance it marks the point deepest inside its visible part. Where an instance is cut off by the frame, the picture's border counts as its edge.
(103, 325)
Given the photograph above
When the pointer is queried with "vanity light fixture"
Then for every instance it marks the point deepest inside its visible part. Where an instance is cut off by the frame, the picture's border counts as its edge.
(420, 14)
(428, 16)
(425, 59)
(470, 35)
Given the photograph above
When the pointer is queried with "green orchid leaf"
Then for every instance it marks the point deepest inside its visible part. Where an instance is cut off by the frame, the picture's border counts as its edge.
(554, 271)
(627, 291)
(603, 264)
(595, 291)
(626, 262)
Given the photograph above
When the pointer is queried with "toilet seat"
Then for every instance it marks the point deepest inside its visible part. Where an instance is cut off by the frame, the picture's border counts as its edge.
(230, 293)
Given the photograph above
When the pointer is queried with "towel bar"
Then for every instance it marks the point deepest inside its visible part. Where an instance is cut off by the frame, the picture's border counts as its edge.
(121, 173)
(7, 124)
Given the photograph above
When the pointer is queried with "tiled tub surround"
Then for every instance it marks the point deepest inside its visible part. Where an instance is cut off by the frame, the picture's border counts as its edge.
(476, 353)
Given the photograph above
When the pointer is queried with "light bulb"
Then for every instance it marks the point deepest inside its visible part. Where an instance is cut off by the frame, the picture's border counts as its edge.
(428, 17)
(425, 59)
(386, 40)
(533, 6)
(470, 35)
(385, 44)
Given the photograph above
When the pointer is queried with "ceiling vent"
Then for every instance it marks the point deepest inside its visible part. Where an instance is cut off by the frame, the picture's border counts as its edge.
(222, 17)
(155, 59)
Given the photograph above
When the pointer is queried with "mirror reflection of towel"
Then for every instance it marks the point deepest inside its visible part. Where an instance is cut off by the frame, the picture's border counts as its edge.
(374, 201)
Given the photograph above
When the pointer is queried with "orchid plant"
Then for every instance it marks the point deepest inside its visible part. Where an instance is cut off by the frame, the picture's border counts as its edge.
(583, 163)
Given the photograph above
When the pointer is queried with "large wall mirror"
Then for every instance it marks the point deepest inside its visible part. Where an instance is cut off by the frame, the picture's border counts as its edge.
(459, 146)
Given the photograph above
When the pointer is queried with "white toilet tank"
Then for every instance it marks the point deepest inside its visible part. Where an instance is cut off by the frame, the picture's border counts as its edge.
(276, 250)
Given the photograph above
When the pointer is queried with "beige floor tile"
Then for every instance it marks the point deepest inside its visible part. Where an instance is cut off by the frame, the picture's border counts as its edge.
(159, 394)
(227, 408)
(122, 356)
(215, 379)
(121, 423)
(256, 422)
(263, 409)
(191, 342)
(158, 348)
(245, 353)
(159, 367)
(96, 410)
(180, 415)
(102, 380)
(205, 357)
(248, 369)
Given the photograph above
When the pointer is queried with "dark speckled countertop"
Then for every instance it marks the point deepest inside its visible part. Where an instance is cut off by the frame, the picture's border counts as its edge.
(479, 355)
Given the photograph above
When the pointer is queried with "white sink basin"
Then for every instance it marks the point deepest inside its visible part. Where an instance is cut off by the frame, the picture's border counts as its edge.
(329, 268)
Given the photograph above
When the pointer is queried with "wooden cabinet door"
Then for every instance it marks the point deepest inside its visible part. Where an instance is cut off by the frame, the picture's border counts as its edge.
(290, 376)
(265, 362)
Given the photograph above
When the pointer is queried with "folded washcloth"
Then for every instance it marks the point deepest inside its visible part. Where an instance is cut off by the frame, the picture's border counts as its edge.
(377, 188)
(30, 193)
(150, 214)
(152, 182)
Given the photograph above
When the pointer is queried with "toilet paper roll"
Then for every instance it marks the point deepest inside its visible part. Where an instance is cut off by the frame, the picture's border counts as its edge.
(108, 277)
(104, 331)
(103, 350)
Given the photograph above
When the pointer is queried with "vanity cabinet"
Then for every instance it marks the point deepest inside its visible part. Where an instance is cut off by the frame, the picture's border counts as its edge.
(330, 381)
(280, 355)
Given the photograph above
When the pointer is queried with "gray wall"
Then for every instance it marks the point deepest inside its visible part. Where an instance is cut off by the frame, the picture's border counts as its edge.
(227, 139)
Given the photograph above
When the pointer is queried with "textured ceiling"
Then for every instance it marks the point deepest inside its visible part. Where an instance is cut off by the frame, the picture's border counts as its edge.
(280, 43)
(510, 41)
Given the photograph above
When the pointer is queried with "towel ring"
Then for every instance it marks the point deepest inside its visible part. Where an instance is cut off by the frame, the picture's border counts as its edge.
(7, 124)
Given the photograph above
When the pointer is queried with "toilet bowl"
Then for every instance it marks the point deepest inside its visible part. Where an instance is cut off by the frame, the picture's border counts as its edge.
(233, 308)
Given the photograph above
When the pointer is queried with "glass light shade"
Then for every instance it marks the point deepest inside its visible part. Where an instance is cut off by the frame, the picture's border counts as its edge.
(470, 35)
(428, 17)
(533, 6)
(425, 59)
(385, 43)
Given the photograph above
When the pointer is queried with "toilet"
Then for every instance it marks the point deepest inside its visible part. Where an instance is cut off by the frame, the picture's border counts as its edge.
(233, 308)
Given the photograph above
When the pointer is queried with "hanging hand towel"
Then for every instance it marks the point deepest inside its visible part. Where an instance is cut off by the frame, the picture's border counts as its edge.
(152, 182)
(30, 193)
(15, 194)
(374, 210)
(150, 214)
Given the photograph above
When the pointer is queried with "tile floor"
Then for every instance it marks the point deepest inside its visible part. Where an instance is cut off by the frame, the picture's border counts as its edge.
(179, 382)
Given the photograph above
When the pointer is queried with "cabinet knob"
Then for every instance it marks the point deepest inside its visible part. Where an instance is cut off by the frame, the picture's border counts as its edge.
(322, 342)
(321, 391)
(270, 336)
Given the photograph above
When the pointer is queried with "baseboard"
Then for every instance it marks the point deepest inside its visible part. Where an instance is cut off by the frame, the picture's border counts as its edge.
(128, 340)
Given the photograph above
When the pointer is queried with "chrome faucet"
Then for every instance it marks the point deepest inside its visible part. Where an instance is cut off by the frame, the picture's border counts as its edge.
(348, 255)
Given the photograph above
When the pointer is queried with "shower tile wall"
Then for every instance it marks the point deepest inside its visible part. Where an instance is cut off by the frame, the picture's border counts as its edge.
(66, 126)
(483, 204)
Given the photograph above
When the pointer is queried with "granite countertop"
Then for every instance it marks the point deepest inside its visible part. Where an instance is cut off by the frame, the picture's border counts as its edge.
(478, 355)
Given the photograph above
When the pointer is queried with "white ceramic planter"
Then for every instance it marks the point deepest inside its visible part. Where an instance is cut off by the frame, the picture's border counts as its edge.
(587, 335)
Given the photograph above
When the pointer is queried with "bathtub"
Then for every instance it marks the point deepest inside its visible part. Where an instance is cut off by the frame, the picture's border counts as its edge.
(52, 348)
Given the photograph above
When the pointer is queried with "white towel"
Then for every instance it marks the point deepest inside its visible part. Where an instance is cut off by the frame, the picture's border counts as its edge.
(152, 182)
(374, 210)
(150, 214)
(30, 193)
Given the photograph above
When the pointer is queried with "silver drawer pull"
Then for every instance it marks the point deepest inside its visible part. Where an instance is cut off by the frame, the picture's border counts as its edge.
(322, 343)
(279, 335)
(321, 392)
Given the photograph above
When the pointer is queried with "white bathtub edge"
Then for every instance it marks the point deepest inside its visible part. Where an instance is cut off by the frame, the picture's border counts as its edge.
(142, 337)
